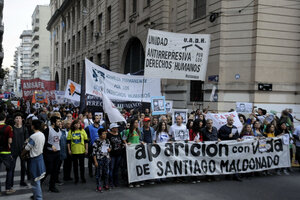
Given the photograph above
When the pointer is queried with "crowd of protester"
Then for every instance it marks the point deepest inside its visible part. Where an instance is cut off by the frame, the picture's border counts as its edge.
(53, 141)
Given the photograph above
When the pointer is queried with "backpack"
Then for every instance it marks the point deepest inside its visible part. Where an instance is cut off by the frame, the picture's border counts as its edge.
(2, 140)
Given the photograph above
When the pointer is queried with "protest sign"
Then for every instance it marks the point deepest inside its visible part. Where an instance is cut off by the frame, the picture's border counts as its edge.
(95, 104)
(60, 97)
(169, 106)
(177, 159)
(182, 112)
(220, 119)
(38, 85)
(158, 105)
(176, 55)
(119, 87)
(72, 91)
(243, 107)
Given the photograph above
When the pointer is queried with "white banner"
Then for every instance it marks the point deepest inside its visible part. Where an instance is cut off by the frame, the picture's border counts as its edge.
(73, 91)
(176, 55)
(60, 97)
(119, 86)
(220, 119)
(164, 160)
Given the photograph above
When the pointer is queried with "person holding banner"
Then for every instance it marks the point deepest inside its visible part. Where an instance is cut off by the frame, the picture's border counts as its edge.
(147, 132)
(162, 133)
(132, 136)
(247, 132)
(257, 130)
(229, 132)
(78, 148)
(178, 131)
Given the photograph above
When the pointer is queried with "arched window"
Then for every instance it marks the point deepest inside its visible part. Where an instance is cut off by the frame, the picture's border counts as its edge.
(56, 81)
(135, 57)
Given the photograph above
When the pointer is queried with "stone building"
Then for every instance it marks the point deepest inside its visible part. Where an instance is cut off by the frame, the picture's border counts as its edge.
(252, 42)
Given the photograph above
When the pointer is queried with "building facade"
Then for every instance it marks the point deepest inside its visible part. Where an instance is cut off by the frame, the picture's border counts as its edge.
(251, 44)
(25, 54)
(40, 51)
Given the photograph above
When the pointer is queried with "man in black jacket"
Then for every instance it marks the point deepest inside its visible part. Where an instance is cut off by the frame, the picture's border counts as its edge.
(229, 132)
(210, 133)
(20, 134)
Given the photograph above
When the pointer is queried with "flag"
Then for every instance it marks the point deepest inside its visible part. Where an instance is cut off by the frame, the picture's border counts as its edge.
(213, 91)
(113, 113)
(72, 91)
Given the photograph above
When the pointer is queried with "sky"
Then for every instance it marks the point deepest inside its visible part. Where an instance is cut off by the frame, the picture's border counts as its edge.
(16, 18)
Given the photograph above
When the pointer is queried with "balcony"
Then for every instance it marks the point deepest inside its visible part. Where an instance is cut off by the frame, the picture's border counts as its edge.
(35, 44)
(35, 36)
(35, 61)
(35, 27)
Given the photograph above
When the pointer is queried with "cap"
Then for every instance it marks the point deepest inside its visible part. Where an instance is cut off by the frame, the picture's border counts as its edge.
(113, 125)
(147, 119)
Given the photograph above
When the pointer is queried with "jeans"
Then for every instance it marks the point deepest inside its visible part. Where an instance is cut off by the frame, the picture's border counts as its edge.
(23, 168)
(7, 160)
(114, 170)
(102, 170)
(52, 160)
(78, 158)
(37, 190)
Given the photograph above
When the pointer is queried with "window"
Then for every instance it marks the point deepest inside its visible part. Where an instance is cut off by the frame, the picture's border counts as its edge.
(100, 23)
(135, 57)
(68, 73)
(73, 15)
(108, 18)
(108, 58)
(84, 37)
(199, 8)
(65, 50)
(73, 44)
(196, 92)
(84, 4)
(99, 58)
(78, 10)
(78, 72)
(91, 59)
(78, 41)
(134, 6)
(56, 54)
(73, 73)
(69, 47)
(69, 20)
(92, 32)
(123, 10)
(64, 76)
(91, 3)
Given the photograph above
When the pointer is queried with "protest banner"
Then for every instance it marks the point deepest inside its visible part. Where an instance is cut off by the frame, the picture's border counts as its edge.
(220, 119)
(72, 91)
(169, 106)
(176, 55)
(119, 87)
(95, 104)
(32, 85)
(158, 105)
(177, 159)
(243, 107)
(182, 112)
(60, 97)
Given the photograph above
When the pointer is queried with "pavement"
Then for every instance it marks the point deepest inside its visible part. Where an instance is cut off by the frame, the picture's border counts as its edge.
(261, 187)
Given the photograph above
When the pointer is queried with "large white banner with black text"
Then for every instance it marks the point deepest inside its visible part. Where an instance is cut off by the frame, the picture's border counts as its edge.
(176, 55)
(164, 160)
(119, 86)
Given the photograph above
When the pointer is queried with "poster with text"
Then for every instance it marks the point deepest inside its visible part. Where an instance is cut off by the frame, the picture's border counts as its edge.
(119, 87)
(158, 105)
(176, 55)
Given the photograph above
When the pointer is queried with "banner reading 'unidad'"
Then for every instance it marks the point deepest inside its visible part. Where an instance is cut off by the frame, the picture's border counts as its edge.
(176, 55)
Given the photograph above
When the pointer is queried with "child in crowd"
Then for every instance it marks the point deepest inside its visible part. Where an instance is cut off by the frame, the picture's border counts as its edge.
(101, 149)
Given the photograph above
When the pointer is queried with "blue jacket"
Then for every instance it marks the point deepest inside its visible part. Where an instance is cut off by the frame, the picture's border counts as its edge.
(92, 133)
(143, 138)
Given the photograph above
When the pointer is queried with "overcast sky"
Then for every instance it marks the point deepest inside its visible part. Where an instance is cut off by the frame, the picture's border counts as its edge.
(16, 18)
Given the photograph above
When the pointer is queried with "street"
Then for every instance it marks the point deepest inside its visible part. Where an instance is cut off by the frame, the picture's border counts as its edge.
(270, 187)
